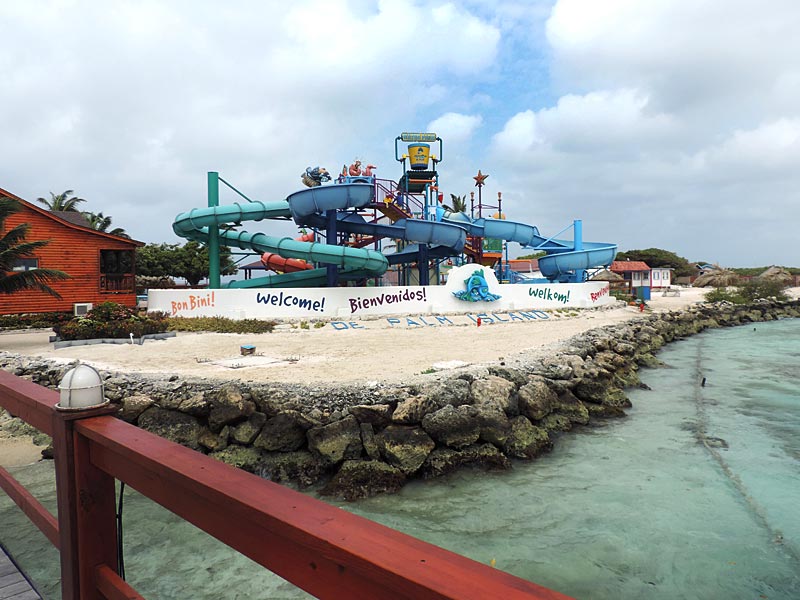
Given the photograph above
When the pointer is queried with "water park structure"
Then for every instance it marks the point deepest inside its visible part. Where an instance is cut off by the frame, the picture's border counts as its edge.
(377, 246)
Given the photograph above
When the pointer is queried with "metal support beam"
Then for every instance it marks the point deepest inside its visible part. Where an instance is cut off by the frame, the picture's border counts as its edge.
(213, 233)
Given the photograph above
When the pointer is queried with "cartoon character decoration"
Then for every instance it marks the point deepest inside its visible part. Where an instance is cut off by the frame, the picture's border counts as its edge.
(477, 289)
(315, 177)
(355, 170)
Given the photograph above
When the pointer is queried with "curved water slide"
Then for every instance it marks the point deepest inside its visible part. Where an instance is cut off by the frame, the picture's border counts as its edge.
(562, 259)
(354, 263)
(281, 264)
(310, 207)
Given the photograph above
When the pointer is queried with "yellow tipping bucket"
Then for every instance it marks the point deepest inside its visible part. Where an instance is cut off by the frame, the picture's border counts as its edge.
(418, 155)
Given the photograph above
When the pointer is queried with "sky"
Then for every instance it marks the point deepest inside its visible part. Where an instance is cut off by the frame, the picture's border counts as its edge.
(672, 124)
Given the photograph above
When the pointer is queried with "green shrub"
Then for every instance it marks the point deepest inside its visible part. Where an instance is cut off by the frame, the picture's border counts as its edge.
(34, 320)
(112, 320)
(757, 288)
(220, 325)
(722, 294)
(749, 291)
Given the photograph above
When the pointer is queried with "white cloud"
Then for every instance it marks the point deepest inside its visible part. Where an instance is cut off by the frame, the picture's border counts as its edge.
(455, 127)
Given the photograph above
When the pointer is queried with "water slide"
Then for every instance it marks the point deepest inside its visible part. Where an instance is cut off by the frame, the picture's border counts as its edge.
(281, 264)
(562, 259)
(310, 207)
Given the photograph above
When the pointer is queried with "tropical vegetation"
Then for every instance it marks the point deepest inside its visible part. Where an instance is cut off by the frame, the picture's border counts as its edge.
(62, 202)
(749, 291)
(189, 261)
(14, 247)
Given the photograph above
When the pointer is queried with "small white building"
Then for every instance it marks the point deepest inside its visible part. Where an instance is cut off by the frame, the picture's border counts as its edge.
(660, 277)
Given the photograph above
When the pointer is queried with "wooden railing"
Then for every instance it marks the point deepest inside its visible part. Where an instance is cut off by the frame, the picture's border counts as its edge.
(324, 550)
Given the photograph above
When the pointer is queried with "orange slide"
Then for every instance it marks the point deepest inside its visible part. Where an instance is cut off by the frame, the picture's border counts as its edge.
(279, 264)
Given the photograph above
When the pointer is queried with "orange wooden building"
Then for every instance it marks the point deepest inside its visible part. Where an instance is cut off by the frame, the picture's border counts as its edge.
(101, 266)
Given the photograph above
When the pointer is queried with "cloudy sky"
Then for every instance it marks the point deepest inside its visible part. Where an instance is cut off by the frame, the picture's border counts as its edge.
(666, 123)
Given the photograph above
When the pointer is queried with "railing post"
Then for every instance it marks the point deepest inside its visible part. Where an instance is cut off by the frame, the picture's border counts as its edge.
(86, 508)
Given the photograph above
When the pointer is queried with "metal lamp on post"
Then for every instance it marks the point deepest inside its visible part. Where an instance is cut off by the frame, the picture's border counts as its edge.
(81, 388)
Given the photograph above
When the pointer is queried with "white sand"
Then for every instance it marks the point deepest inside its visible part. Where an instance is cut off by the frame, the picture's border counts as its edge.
(376, 352)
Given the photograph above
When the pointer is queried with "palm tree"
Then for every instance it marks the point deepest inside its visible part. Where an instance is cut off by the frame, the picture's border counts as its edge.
(99, 222)
(61, 202)
(459, 204)
(14, 247)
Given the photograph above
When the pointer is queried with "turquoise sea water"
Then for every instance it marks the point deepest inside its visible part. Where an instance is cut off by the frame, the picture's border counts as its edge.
(695, 495)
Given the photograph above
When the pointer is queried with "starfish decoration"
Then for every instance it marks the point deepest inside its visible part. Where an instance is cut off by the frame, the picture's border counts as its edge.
(480, 178)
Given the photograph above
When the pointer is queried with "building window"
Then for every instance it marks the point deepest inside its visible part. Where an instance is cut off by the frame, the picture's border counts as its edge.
(25, 264)
(116, 271)
(637, 276)
(656, 275)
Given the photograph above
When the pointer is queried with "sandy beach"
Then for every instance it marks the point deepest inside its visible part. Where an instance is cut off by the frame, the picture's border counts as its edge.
(341, 352)
(364, 351)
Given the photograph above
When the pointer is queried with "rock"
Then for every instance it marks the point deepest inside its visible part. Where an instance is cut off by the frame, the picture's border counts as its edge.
(569, 406)
(526, 440)
(338, 441)
(442, 461)
(195, 405)
(214, 441)
(281, 433)
(246, 432)
(228, 407)
(495, 426)
(405, 447)
(174, 426)
(535, 399)
(515, 376)
(364, 478)
(454, 392)
(413, 410)
(453, 426)
(369, 442)
(300, 467)
(555, 422)
(242, 457)
(494, 392)
(601, 411)
(133, 406)
(375, 414)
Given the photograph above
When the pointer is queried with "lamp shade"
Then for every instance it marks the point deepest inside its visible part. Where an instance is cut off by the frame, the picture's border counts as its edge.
(81, 387)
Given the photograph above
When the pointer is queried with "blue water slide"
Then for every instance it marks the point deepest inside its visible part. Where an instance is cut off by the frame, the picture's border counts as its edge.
(308, 208)
(562, 259)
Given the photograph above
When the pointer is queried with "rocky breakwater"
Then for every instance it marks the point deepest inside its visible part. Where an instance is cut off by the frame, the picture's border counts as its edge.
(354, 442)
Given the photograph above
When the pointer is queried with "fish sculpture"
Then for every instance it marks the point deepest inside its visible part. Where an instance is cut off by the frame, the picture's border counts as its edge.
(477, 289)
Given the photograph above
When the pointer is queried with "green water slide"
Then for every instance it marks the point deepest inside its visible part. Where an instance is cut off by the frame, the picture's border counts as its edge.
(353, 263)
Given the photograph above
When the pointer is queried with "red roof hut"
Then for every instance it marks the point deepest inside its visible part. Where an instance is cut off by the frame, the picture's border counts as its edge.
(101, 266)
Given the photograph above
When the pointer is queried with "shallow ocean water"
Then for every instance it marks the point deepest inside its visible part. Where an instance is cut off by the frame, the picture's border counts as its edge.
(694, 495)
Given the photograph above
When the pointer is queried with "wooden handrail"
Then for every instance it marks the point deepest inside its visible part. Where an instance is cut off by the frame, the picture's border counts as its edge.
(33, 509)
(29, 401)
(112, 586)
(324, 550)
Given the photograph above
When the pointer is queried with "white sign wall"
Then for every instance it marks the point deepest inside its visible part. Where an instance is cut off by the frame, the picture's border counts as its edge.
(355, 302)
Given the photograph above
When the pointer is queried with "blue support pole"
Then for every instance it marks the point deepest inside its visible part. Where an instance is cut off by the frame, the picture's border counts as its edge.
(330, 238)
(424, 270)
(580, 274)
(213, 233)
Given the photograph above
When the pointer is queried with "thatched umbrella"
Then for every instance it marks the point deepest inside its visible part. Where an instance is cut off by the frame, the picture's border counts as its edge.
(778, 274)
(606, 275)
(717, 278)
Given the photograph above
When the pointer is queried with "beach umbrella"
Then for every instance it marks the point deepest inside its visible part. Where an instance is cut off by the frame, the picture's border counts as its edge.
(606, 275)
(778, 274)
(717, 278)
